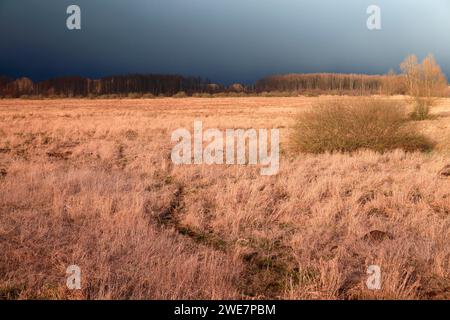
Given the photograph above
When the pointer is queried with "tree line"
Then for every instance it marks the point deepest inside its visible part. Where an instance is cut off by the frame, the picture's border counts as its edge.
(327, 82)
(166, 85)
(424, 79)
(416, 79)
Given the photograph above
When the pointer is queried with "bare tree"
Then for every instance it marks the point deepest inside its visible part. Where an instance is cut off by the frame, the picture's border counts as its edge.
(410, 68)
(425, 82)
(434, 80)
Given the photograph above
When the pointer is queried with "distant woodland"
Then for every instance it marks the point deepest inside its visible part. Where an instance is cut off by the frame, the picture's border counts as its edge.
(424, 77)
(115, 85)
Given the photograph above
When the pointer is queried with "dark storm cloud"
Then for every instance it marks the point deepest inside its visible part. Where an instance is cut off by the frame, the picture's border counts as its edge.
(225, 40)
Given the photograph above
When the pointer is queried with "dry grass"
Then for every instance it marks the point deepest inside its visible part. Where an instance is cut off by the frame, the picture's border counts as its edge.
(90, 182)
(349, 124)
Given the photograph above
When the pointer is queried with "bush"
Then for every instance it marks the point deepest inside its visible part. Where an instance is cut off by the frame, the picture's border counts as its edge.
(235, 94)
(346, 125)
(311, 93)
(180, 94)
(421, 109)
(55, 96)
(148, 96)
(279, 94)
(134, 95)
(109, 96)
(202, 95)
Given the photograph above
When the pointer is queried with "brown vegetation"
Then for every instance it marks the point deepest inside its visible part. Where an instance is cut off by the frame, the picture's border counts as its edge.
(357, 84)
(424, 83)
(346, 125)
(121, 86)
(90, 182)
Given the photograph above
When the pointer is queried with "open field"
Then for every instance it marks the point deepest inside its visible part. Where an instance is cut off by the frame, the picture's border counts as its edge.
(91, 183)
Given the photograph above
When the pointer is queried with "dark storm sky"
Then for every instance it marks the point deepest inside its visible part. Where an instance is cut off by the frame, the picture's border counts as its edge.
(224, 40)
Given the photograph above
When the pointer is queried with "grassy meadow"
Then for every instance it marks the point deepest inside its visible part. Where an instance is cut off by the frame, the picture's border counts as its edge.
(91, 183)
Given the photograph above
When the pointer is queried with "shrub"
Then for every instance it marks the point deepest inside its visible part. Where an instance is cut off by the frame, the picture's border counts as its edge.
(349, 124)
(109, 96)
(54, 96)
(421, 109)
(180, 94)
(234, 94)
(202, 95)
(279, 94)
(148, 96)
(134, 95)
(311, 93)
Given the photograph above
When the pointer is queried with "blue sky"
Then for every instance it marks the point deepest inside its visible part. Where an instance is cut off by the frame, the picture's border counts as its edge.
(224, 40)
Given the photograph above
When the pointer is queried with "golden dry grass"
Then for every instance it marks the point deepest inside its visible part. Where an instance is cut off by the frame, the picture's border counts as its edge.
(347, 125)
(90, 182)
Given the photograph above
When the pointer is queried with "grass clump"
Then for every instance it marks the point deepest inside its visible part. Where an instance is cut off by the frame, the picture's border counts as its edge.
(346, 125)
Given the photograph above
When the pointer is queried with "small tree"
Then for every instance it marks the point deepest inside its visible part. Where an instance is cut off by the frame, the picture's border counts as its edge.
(390, 83)
(424, 83)
(434, 81)
(410, 68)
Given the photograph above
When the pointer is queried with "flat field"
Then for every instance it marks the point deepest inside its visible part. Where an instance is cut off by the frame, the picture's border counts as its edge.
(91, 183)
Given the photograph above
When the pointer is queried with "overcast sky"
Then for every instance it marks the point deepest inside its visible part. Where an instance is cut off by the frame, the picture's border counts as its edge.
(224, 40)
